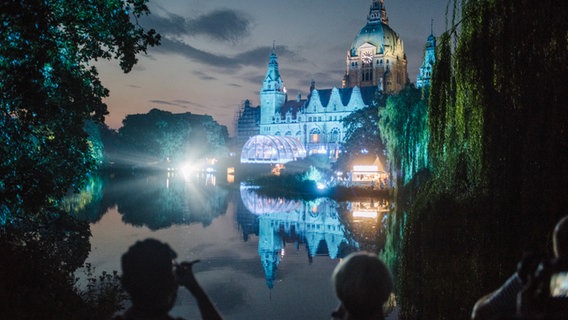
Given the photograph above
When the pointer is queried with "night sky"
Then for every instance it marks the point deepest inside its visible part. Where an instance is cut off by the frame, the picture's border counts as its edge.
(214, 53)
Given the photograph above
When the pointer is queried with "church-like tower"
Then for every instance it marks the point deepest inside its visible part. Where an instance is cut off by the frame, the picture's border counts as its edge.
(376, 57)
(425, 75)
(272, 94)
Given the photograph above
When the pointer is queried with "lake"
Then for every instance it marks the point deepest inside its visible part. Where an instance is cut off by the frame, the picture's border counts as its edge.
(261, 258)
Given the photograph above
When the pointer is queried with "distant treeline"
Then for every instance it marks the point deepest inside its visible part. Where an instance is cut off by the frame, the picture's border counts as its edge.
(160, 137)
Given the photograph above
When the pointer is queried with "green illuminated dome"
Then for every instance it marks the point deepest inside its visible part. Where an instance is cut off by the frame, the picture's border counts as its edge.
(379, 35)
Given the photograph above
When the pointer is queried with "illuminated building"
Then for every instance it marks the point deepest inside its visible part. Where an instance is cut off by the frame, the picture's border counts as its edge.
(376, 56)
(425, 75)
(368, 174)
(315, 224)
(272, 149)
(247, 120)
(376, 63)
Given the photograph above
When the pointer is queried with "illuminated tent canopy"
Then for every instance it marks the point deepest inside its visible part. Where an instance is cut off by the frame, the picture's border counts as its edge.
(272, 149)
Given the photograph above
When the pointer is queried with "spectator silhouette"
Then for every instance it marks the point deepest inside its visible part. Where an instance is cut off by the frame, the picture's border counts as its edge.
(151, 277)
(363, 284)
(503, 301)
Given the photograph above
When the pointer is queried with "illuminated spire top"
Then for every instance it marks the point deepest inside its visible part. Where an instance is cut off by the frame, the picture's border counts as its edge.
(377, 13)
(272, 80)
(273, 72)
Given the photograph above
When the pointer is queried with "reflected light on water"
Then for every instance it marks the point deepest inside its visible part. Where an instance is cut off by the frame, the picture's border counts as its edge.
(365, 214)
(241, 240)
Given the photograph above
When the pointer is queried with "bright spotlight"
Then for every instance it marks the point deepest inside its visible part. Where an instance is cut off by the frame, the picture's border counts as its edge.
(186, 170)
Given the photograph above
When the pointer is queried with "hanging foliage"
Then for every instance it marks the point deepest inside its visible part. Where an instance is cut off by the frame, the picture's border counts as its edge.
(498, 118)
(403, 124)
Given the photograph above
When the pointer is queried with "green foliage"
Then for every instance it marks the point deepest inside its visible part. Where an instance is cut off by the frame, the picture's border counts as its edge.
(39, 257)
(313, 174)
(161, 136)
(499, 150)
(95, 142)
(404, 130)
(362, 133)
(50, 105)
(103, 293)
(289, 186)
(49, 90)
(319, 161)
(39, 260)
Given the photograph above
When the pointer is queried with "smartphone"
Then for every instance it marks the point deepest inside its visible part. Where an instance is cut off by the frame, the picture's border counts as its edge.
(559, 284)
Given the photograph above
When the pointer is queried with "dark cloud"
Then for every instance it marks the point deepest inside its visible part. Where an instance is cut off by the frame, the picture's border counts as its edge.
(227, 25)
(204, 76)
(235, 85)
(253, 77)
(163, 102)
(183, 49)
(183, 104)
(197, 105)
(183, 101)
(224, 25)
(257, 57)
(169, 25)
(260, 55)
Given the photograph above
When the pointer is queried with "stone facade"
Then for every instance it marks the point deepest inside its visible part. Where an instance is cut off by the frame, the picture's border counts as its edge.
(425, 75)
(376, 56)
(376, 63)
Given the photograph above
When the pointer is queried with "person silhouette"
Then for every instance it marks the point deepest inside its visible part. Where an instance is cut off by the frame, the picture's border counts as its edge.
(151, 278)
(363, 283)
(503, 301)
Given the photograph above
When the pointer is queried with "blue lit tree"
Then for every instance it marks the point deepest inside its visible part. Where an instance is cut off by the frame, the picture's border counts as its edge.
(49, 89)
(48, 92)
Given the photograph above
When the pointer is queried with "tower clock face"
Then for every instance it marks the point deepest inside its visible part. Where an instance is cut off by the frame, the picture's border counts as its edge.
(367, 57)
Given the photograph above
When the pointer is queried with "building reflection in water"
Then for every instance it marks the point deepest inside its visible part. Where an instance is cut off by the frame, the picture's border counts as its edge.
(315, 224)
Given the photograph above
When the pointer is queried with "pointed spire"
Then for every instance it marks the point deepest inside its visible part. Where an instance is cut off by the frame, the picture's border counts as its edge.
(272, 80)
(272, 71)
(377, 13)
(431, 42)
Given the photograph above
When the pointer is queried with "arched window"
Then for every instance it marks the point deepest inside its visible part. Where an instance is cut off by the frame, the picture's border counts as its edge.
(335, 135)
(315, 135)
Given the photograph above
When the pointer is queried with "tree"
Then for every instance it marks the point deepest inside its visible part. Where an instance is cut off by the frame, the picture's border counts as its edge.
(49, 95)
(403, 125)
(499, 150)
(362, 136)
(49, 89)
(161, 136)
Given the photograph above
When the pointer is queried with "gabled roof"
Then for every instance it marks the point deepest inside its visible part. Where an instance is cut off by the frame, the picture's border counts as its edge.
(367, 94)
(293, 106)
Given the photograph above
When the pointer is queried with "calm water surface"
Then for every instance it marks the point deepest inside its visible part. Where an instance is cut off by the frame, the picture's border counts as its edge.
(260, 258)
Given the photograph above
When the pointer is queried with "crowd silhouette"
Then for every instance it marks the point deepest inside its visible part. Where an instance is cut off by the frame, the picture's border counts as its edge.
(538, 289)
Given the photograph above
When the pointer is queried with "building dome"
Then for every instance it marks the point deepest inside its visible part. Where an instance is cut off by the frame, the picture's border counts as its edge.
(272, 149)
(379, 35)
(376, 56)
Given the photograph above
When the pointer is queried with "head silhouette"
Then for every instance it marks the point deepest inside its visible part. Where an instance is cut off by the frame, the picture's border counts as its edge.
(560, 238)
(363, 284)
(148, 277)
